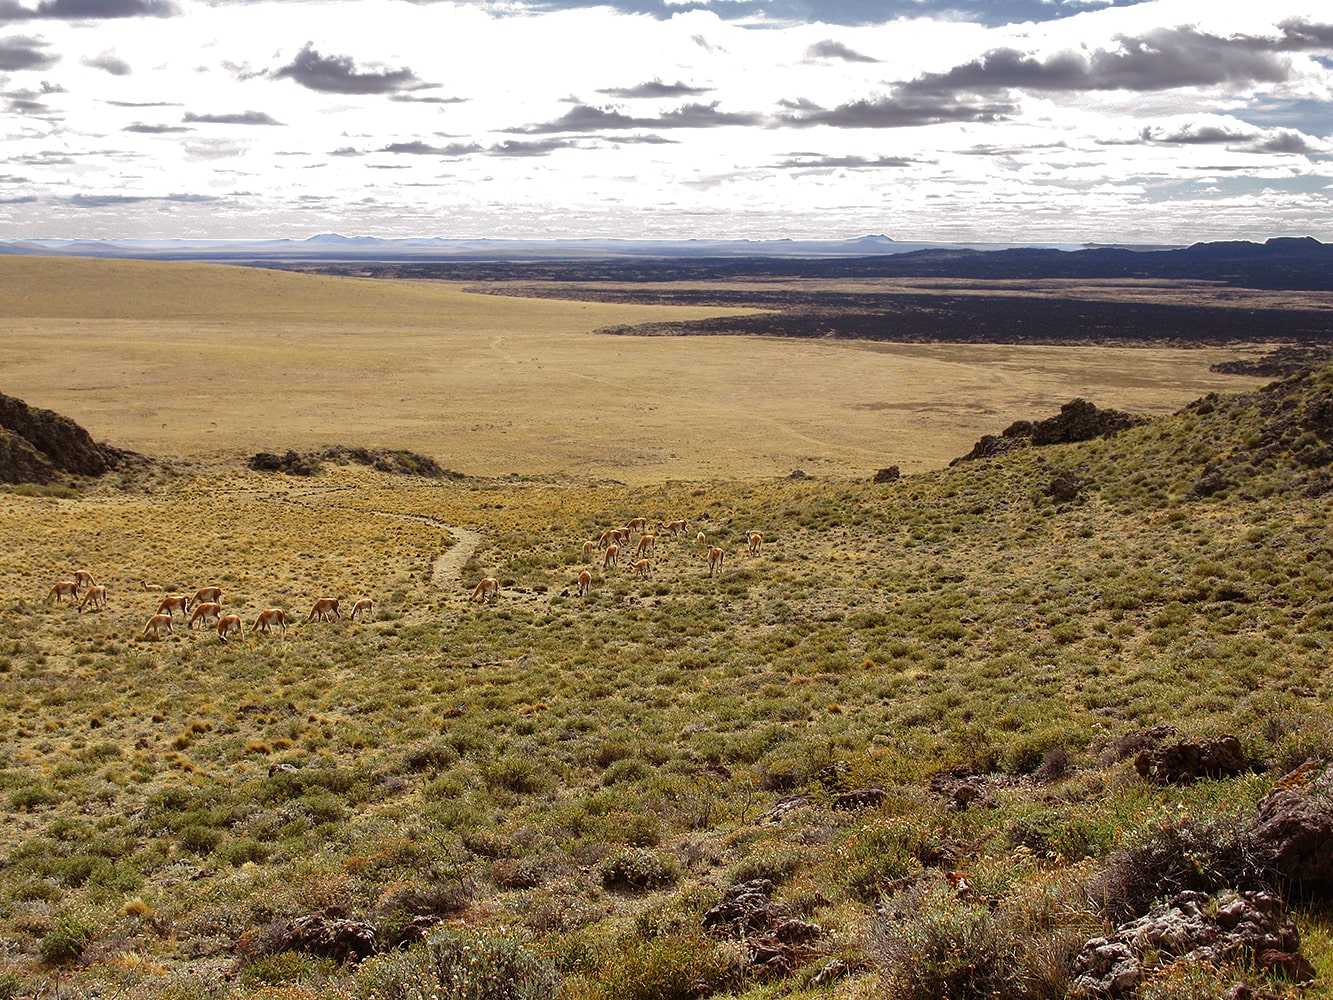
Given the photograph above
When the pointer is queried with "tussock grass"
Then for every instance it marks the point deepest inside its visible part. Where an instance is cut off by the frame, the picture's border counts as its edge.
(574, 781)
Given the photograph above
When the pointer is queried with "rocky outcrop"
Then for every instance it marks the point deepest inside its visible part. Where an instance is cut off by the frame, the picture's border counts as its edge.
(1189, 760)
(330, 934)
(776, 940)
(1078, 420)
(1230, 926)
(395, 461)
(39, 446)
(1292, 833)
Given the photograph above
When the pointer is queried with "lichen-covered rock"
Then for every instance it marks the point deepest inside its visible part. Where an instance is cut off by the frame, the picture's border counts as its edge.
(329, 935)
(1292, 836)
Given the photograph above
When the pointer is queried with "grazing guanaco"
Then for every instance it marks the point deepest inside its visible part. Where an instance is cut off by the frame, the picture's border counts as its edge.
(636, 524)
(641, 566)
(172, 603)
(647, 545)
(588, 548)
(157, 624)
(612, 556)
(675, 527)
(230, 623)
(207, 595)
(364, 604)
(489, 586)
(585, 583)
(96, 596)
(268, 618)
(323, 609)
(715, 556)
(206, 610)
(64, 588)
(84, 579)
(756, 541)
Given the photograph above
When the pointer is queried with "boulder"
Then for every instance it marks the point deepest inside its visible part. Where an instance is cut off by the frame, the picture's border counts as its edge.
(329, 935)
(1292, 834)
(1189, 760)
(39, 446)
(890, 475)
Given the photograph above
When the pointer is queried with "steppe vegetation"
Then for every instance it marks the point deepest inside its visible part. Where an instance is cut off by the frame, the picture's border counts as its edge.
(894, 753)
(748, 784)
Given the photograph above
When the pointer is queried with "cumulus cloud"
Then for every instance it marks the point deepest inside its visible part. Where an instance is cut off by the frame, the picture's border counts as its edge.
(419, 148)
(584, 118)
(19, 52)
(108, 63)
(815, 161)
(892, 112)
(656, 88)
(239, 118)
(830, 49)
(338, 75)
(1161, 59)
(85, 10)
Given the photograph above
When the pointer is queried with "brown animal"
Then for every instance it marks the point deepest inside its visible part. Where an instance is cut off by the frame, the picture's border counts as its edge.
(715, 556)
(324, 607)
(172, 603)
(585, 583)
(366, 605)
(636, 524)
(675, 527)
(157, 624)
(642, 566)
(489, 586)
(647, 545)
(588, 548)
(206, 610)
(154, 587)
(756, 541)
(64, 588)
(268, 618)
(96, 596)
(701, 539)
(610, 536)
(207, 595)
(84, 579)
(230, 623)
(612, 556)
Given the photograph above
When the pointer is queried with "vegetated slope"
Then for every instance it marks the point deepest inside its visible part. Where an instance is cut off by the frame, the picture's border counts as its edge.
(931, 740)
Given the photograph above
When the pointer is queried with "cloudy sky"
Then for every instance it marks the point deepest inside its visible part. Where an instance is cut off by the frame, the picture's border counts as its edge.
(969, 120)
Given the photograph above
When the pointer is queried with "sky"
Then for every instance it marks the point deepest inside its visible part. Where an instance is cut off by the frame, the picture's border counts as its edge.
(1012, 121)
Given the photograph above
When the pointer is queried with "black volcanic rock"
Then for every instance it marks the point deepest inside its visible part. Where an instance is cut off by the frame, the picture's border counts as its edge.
(39, 446)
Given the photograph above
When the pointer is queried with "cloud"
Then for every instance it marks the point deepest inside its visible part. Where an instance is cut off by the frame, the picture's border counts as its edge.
(111, 64)
(418, 148)
(26, 199)
(414, 99)
(338, 75)
(240, 118)
(85, 10)
(542, 147)
(117, 200)
(1161, 59)
(656, 88)
(890, 112)
(147, 129)
(829, 49)
(584, 118)
(815, 161)
(1286, 141)
(18, 53)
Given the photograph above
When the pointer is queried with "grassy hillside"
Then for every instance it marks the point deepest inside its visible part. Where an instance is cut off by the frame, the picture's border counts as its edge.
(944, 677)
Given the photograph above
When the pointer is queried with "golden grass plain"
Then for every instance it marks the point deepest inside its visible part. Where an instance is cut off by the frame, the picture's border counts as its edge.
(180, 360)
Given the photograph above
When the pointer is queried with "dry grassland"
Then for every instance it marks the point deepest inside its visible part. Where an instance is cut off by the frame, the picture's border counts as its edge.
(200, 360)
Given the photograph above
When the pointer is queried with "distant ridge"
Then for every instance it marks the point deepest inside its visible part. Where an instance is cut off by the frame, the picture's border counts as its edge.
(1296, 263)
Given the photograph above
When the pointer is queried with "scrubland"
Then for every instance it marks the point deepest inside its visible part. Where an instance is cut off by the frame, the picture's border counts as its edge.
(561, 788)
(548, 795)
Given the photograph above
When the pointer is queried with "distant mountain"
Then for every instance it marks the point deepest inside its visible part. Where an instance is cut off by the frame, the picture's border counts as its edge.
(1280, 263)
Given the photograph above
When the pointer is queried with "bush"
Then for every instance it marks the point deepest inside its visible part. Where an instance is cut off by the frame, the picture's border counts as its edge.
(673, 967)
(460, 965)
(65, 942)
(638, 870)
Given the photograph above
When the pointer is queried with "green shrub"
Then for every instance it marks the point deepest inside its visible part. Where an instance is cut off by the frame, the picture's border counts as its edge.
(65, 941)
(460, 965)
(670, 967)
(638, 870)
